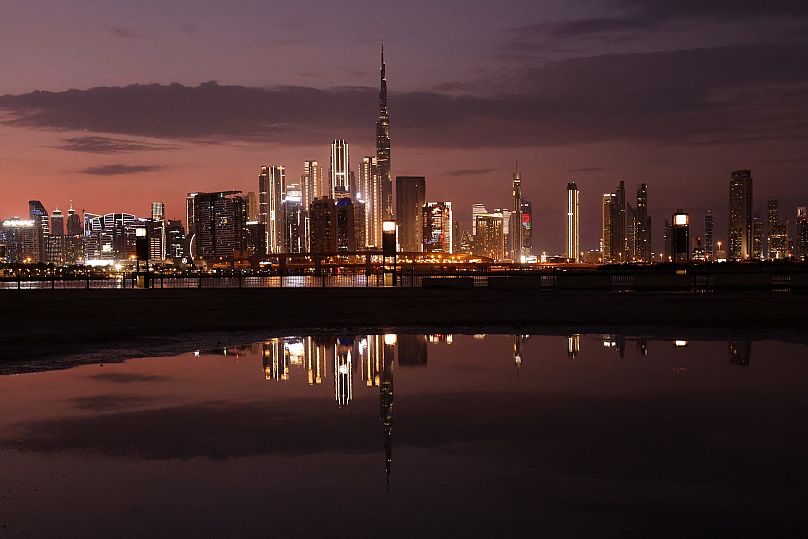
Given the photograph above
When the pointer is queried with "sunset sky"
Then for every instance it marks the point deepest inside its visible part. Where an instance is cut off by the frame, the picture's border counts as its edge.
(117, 104)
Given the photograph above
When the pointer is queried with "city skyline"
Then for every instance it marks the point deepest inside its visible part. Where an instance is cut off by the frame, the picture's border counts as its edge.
(460, 128)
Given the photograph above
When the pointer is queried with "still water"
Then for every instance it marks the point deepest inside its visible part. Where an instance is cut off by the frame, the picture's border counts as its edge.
(413, 435)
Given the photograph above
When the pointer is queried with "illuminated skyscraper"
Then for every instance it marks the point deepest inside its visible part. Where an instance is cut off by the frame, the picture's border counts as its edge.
(573, 247)
(218, 219)
(642, 226)
(56, 245)
(251, 207)
(680, 236)
(606, 227)
(618, 232)
(271, 192)
(490, 238)
(294, 220)
(347, 213)
(741, 223)
(21, 237)
(515, 227)
(158, 211)
(757, 237)
(476, 210)
(311, 183)
(39, 215)
(802, 233)
(778, 243)
(323, 226)
(437, 220)
(340, 170)
(383, 146)
(175, 240)
(527, 227)
(410, 198)
(157, 232)
(709, 247)
(370, 192)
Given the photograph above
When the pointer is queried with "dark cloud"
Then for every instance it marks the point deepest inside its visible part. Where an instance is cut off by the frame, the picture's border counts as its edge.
(128, 378)
(726, 94)
(470, 171)
(106, 145)
(117, 170)
(123, 32)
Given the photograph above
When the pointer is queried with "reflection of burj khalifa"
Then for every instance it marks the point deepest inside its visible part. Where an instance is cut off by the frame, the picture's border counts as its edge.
(386, 403)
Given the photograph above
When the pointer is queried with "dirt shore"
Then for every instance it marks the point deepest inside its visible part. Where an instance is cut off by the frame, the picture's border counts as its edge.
(46, 325)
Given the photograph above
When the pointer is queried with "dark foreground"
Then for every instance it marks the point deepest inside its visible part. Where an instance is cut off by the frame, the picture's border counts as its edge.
(414, 436)
(49, 325)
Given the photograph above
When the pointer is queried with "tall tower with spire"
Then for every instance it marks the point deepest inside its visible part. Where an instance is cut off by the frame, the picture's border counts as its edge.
(383, 146)
(516, 217)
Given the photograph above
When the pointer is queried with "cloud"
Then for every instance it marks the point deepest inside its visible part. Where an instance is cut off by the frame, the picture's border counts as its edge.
(117, 170)
(692, 96)
(106, 145)
(470, 172)
(123, 32)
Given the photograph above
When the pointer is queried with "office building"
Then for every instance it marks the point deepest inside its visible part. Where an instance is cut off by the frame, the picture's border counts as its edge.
(311, 182)
(757, 237)
(74, 241)
(370, 192)
(271, 192)
(346, 225)
(527, 227)
(383, 146)
(219, 223)
(777, 239)
(158, 211)
(323, 226)
(741, 224)
(438, 227)
(56, 244)
(39, 215)
(642, 227)
(668, 242)
(515, 228)
(573, 247)
(22, 240)
(709, 246)
(340, 170)
(410, 199)
(802, 233)
(680, 237)
(476, 210)
(630, 241)
(175, 240)
(251, 207)
(294, 220)
(489, 241)
(606, 227)
(617, 226)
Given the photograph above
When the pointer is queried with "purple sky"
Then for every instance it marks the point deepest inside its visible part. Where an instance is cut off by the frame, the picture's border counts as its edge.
(676, 94)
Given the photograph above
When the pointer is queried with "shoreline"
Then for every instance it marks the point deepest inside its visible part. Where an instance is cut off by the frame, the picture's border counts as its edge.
(62, 327)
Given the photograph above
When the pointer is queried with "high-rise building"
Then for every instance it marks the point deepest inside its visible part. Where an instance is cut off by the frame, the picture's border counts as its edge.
(740, 216)
(340, 170)
(271, 192)
(157, 232)
(527, 226)
(74, 241)
(466, 243)
(370, 192)
(516, 219)
(294, 220)
(642, 227)
(323, 226)
(251, 207)
(573, 247)
(709, 247)
(218, 219)
(680, 237)
(489, 241)
(606, 227)
(346, 225)
(190, 210)
(476, 210)
(56, 245)
(801, 243)
(74, 227)
(618, 235)
(383, 146)
(631, 238)
(757, 237)
(158, 211)
(311, 182)
(410, 198)
(668, 241)
(22, 240)
(438, 227)
(39, 215)
(175, 240)
(777, 241)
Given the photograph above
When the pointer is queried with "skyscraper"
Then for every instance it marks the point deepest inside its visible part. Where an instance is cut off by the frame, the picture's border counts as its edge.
(802, 233)
(573, 247)
(709, 247)
(271, 192)
(490, 238)
(438, 227)
(476, 210)
(617, 243)
(218, 219)
(56, 245)
(158, 211)
(606, 227)
(757, 237)
(642, 227)
(21, 237)
(370, 192)
(777, 241)
(294, 220)
(311, 183)
(340, 170)
(157, 232)
(323, 226)
(383, 146)
(680, 236)
(39, 215)
(740, 216)
(410, 198)
(527, 226)
(516, 219)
